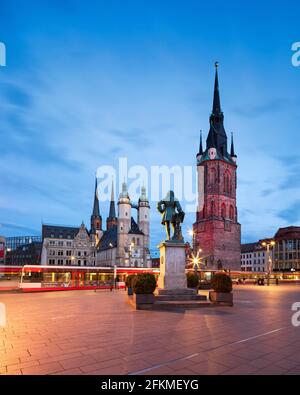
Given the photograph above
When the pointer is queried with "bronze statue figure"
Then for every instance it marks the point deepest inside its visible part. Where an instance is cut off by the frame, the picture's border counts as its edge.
(172, 214)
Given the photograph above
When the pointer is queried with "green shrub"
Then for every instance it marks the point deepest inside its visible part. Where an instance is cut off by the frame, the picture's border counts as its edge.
(129, 280)
(192, 280)
(144, 283)
(221, 282)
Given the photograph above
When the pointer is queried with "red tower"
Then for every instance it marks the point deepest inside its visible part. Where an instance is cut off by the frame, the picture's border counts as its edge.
(217, 231)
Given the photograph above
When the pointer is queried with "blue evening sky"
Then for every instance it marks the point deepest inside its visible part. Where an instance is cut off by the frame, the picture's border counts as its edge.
(87, 82)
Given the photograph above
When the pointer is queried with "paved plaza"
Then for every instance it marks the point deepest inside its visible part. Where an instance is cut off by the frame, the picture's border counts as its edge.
(87, 332)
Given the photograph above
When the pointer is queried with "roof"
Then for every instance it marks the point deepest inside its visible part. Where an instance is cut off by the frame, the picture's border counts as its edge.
(289, 233)
(109, 238)
(251, 247)
(59, 232)
(134, 228)
(217, 137)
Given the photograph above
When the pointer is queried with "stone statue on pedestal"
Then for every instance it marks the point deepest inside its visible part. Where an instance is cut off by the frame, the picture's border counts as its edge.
(172, 214)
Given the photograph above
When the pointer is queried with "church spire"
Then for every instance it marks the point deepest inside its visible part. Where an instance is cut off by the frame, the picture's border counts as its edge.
(201, 146)
(217, 137)
(112, 209)
(96, 211)
(217, 102)
(232, 152)
(96, 220)
(112, 219)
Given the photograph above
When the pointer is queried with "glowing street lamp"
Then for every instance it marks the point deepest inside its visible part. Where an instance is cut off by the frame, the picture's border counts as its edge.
(268, 244)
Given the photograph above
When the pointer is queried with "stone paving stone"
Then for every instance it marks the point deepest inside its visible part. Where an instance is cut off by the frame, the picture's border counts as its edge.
(69, 372)
(287, 364)
(228, 360)
(97, 366)
(77, 362)
(241, 370)
(272, 370)
(47, 368)
(208, 367)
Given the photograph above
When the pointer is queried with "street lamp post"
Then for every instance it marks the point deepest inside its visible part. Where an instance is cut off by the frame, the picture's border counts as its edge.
(268, 244)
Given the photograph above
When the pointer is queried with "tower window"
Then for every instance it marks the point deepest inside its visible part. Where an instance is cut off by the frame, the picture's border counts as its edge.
(231, 213)
(227, 183)
(223, 211)
(212, 209)
(212, 176)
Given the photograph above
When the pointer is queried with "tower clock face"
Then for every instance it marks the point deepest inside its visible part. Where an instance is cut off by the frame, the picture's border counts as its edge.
(212, 153)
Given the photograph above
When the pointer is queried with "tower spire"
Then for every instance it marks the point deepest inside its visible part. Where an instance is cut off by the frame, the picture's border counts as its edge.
(112, 219)
(217, 102)
(96, 220)
(217, 137)
(96, 211)
(201, 146)
(112, 208)
(232, 152)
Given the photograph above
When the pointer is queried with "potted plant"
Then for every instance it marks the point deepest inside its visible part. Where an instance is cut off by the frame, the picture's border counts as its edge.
(221, 284)
(143, 286)
(192, 280)
(129, 280)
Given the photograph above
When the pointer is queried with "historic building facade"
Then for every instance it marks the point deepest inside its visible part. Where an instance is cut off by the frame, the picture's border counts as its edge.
(216, 231)
(253, 257)
(286, 251)
(67, 246)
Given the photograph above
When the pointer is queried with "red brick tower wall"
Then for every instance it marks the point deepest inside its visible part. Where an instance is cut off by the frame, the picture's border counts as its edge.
(217, 231)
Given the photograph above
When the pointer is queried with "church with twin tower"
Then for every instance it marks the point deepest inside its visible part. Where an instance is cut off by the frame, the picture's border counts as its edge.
(217, 232)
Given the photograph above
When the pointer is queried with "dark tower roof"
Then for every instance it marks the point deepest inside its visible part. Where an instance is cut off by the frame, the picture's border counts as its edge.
(112, 208)
(217, 137)
(96, 211)
(217, 102)
(200, 146)
(232, 153)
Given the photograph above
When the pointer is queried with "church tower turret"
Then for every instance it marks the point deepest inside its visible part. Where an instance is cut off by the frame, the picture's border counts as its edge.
(96, 219)
(112, 219)
(144, 223)
(124, 223)
(217, 231)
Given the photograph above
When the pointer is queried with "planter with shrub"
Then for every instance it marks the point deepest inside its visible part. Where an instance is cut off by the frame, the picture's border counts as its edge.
(143, 287)
(221, 284)
(129, 283)
(192, 280)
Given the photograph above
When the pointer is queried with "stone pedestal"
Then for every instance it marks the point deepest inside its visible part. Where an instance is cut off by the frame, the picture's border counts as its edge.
(172, 267)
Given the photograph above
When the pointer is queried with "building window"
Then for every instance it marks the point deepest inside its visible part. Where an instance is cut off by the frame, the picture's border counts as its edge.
(212, 209)
(60, 243)
(223, 211)
(212, 176)
(79, 262)
(227, 183)
(231, 213)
